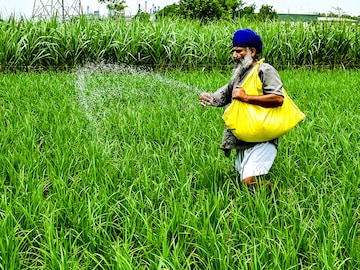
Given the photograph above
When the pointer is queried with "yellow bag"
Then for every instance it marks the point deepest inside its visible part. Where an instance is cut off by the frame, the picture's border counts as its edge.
(253, 123)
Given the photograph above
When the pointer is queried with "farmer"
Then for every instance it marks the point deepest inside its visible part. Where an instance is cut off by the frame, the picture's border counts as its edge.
(253, 160)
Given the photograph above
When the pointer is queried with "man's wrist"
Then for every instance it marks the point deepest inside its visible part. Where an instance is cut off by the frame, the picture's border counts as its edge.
(245, 98)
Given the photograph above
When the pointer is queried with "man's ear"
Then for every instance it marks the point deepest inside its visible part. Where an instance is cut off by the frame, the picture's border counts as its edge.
(253, 52)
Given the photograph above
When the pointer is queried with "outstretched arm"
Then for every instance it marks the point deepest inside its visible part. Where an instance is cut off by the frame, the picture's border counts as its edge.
(220, 98)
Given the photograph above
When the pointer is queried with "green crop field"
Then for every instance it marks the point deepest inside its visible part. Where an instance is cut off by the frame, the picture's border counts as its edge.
(107, 160)
(112, 167)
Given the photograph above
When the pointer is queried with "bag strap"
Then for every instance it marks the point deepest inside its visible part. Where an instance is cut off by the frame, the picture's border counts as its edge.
(254, 68)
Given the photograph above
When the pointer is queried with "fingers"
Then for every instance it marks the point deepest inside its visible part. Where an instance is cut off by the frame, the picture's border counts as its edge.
(205, 99)
(238, 93)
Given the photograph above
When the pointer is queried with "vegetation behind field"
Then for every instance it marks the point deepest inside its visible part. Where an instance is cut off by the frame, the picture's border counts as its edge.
(171, 43)
(109, 167)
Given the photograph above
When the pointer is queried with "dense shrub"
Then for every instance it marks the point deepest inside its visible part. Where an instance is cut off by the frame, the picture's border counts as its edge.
(28, 44)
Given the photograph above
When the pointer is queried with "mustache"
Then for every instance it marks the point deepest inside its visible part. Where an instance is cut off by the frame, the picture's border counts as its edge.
(237, 59)
(241, 66)
(238, 70)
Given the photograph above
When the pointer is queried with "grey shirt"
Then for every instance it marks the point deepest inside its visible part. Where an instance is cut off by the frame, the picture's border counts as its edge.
(271, 85)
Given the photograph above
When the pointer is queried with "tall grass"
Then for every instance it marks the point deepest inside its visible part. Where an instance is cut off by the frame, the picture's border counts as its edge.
(116, 168)
(164, 44)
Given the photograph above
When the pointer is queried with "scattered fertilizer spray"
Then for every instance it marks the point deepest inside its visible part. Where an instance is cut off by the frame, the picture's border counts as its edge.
(94, 97)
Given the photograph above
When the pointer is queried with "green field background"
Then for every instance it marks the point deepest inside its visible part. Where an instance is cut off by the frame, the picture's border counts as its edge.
(113, 167)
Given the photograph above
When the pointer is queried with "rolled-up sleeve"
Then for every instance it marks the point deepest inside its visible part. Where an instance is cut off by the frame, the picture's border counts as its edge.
(271, 80)
(222, 96)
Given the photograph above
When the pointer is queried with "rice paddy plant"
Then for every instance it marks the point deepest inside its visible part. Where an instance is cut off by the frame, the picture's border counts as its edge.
(111, 167)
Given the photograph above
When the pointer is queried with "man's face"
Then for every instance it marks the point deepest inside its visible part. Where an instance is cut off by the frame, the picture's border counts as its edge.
(243, 56)
(238, 53)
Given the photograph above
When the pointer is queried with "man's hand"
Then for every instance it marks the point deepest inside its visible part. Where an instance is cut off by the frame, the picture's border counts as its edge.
(205, 99)
(239, 93)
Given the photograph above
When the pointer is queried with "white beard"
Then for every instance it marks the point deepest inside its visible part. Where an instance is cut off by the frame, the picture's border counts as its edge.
(242, 65)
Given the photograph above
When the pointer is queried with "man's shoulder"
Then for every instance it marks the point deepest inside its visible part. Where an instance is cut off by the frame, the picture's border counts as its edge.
(266, 66)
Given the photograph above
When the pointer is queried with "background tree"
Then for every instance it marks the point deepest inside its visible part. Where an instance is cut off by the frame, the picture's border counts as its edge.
(142, 16)
(267, 12)
(168, 11)
(116, 7)
(338, 11)
(203, 10)
(232, 7)
(247, 12)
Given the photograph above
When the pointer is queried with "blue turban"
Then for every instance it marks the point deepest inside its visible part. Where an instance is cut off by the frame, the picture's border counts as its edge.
(247, 38)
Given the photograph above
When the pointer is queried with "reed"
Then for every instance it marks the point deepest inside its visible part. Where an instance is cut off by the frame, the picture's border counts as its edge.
(169, 44)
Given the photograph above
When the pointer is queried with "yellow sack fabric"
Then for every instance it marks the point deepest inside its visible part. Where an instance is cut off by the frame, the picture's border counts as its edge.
(253, 123)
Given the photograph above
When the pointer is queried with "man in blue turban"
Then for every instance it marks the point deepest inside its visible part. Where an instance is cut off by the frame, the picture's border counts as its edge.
(253, 159)
(247, 38)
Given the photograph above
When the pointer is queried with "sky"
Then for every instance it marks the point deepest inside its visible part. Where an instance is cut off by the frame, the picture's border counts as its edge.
(349, 7)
